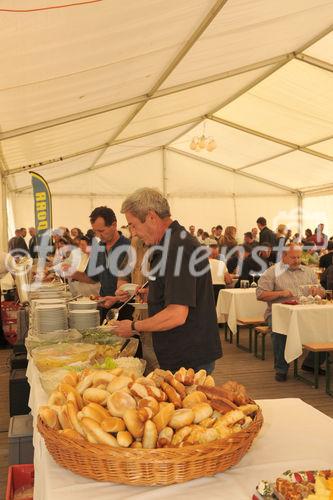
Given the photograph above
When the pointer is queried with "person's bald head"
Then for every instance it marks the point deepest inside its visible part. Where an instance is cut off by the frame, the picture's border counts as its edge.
(292, 255)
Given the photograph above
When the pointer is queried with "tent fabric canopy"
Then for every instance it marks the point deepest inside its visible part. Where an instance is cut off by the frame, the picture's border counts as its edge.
(106, 97)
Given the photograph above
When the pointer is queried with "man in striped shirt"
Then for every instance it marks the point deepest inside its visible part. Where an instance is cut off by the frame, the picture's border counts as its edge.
(279, 283)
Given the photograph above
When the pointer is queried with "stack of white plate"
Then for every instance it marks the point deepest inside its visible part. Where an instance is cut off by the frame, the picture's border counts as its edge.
(41, 302)
(82, 304)
(51, 317)
(83, 318)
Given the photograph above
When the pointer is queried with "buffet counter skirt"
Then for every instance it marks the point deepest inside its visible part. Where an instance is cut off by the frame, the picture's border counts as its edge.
(294, 436)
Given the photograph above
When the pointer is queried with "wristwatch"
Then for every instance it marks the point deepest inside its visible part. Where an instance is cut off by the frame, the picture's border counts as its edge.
(133, 327)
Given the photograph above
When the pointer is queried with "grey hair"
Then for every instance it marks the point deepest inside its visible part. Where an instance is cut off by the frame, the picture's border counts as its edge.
(142, 200)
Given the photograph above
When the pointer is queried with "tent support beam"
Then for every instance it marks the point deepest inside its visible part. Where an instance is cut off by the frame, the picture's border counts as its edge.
(313, 189)
(290, 145)
(98, 167)
(209, 18)
(45, 163)
(28, 129)
(4, 235)
(171, 90)
(164, 172)
(300, 212)
(281, 154)
(315, 62)
(229, 169)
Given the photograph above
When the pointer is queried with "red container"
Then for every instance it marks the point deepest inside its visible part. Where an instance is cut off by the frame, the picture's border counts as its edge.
(18, 476)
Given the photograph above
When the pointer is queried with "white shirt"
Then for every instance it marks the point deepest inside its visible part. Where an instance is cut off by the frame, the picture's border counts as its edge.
(218, 270)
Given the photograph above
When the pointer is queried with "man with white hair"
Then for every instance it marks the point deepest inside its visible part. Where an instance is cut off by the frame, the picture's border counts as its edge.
(279, 283)
(182, 316)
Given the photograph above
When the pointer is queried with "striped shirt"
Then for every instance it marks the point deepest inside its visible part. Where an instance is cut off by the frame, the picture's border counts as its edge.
(282, 277)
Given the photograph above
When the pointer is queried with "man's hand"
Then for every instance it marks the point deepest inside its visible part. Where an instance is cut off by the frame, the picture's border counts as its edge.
(286, 293)
(123, 328)
(107, 301)
(121, 295)
(317, 290)
(143, 294)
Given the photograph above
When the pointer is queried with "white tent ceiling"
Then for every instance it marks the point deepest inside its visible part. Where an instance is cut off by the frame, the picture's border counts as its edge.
(89, 93)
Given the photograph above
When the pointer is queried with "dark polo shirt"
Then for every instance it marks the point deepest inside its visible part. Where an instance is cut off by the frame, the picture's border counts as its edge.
(197, 342)
(105, 261)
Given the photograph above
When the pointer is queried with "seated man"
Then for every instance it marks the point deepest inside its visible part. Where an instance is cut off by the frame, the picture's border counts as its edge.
(278, 284)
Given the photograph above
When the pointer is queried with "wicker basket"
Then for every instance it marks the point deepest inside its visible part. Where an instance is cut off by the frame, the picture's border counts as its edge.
(149, 467)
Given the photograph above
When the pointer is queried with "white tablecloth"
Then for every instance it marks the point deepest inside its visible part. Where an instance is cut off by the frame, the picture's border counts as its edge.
(294, 436)
(302, 324)
(237, 303)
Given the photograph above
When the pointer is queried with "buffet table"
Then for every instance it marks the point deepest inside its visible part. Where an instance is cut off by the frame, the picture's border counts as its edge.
(294, 436)
(238, 303)
(302, 324)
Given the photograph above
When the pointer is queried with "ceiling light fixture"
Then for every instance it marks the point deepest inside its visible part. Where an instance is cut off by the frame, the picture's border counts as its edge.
(201, 142)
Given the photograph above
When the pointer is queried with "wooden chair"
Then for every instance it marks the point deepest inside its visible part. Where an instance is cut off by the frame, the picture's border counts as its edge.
(260, 332)
(249, 323)
(317, 348)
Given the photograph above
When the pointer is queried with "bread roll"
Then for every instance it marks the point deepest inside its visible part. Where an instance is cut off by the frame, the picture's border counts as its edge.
(181, 435)
(49, 417)
(145, 414)
(71, 434)
(178, 386)
(180, 375)
(230, 418)
(172, 394)
(67, 389)
(84, 383)
(102, 377)
(145, 381)
(94, 395)
(194, 398)
(163, 417)
(248, 409)
(201, 435)
(63, 418)
(165, 437)
(208, 422)
(216, 392)
(133, 423)
(139, 390)
(222, 405)
(181, 418)
(209, 382)
(201, 412)
(149, 435)
(72, 415)
(149, 402)
(189, 379)
(200, 377)
(88, 411)
(119, 383)
(100, 409)
(136, 444)
(156, 393)
(124, 439)
(57, 398)
(71, 378)
(119, 402)
(94, 429)
(113, 424)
